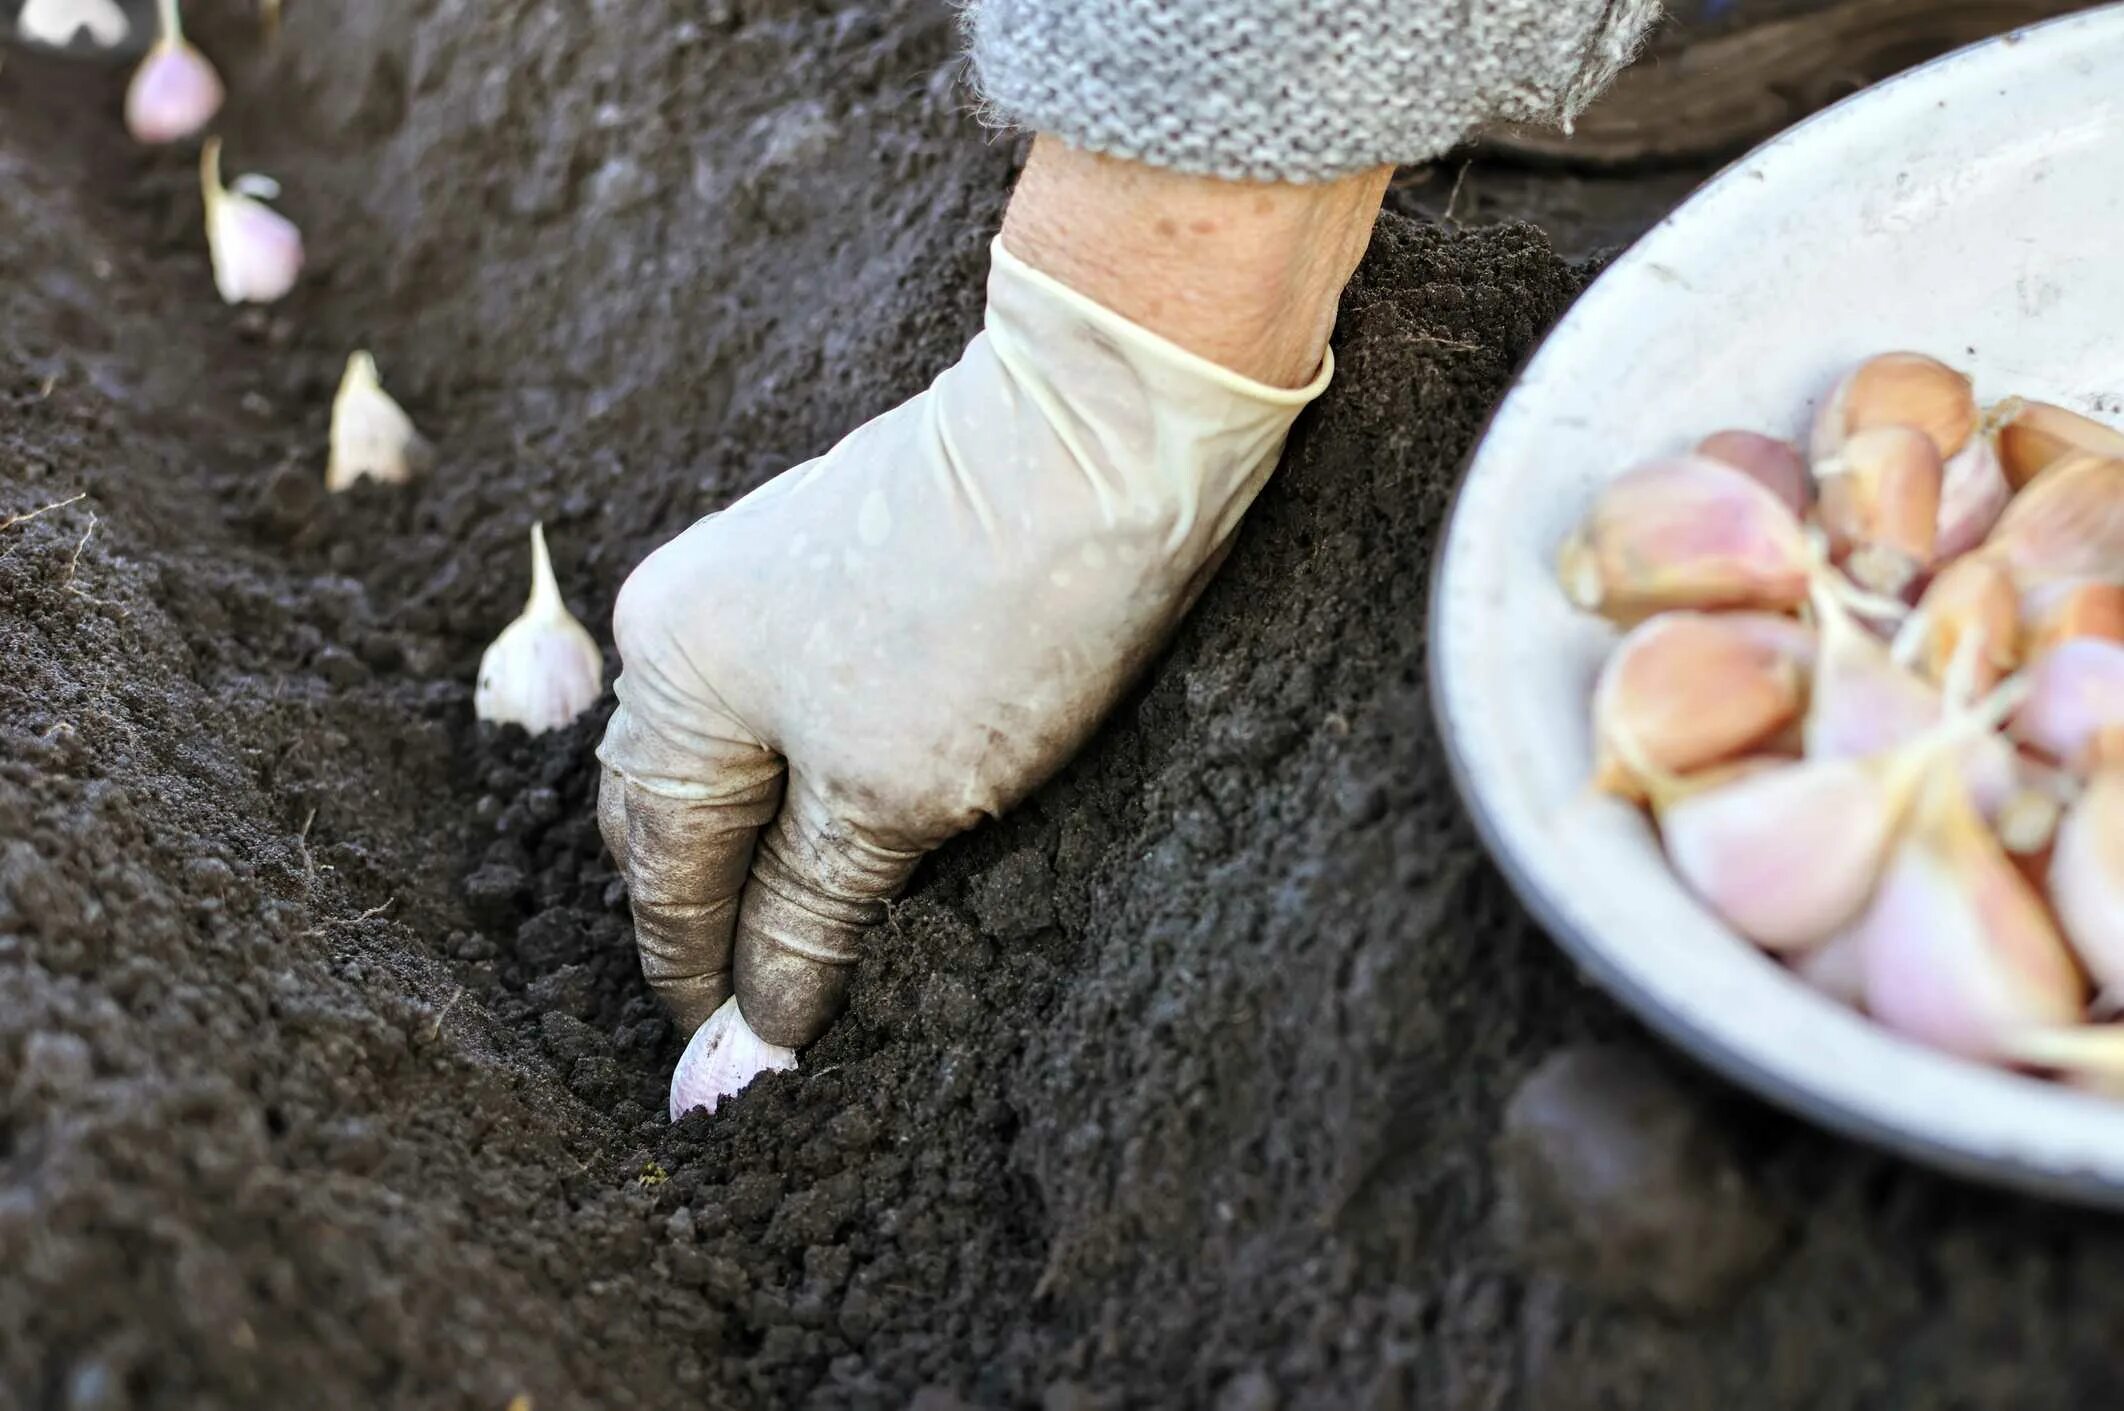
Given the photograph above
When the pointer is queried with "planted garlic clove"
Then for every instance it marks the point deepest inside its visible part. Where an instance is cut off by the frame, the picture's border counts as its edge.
(1687, 532)
(371, 434)
(1684, 690)
(1776, 465)
(1970, 598)
(544, 669)
(1973, 495)
(2075, 701)
(1898, 389)
(256, 251)
(1786, 856)
(2087, 877)
(2068, 524)
(721, 1060)
(2033, 435)
(1958, 950)
(2058, 612)
(175, 92)
(1880, 500)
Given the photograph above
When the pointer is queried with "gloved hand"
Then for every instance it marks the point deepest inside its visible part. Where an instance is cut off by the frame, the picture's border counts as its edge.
(883, 646)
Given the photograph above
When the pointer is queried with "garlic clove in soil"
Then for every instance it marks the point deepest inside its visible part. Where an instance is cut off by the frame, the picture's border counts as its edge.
(1880, 498)
(2087, 877)
(2075, 699)
(175, 92)
(1684, 690)
(721, 1060)
(1971, 597)
(1973, 494)
(1686, 532)
(1959, 952)
(2058, 612)
(1898, 389)
(2033, 435)
(1777, 465)
(2068, 524)
(56, 22)
(371, 434)
(256, 251)
(544, 669)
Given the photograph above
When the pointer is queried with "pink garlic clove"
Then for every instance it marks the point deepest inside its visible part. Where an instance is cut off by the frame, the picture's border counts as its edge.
(2067, 524)
(2075, 697)
(1880, 502)
(174, 94)
(1776, 465)
(1973, 495)
(1898, 389)
(1786, 856)
(1837, 967)
(256, 252)
(2087, 877)
(2034, 435)
(1959, 951)
(721, 1060)
(1864, 702)
(1686, 532)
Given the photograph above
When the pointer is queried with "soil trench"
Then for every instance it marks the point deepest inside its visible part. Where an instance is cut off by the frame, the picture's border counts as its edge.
(327, 1076)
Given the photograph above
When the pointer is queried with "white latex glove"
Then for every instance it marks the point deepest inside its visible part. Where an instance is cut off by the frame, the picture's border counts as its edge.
(883, 646)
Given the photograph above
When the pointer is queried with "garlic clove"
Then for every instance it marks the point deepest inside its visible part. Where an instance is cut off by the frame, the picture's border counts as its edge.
(1777, 465)
(2089, 1056)
(1684, 690)
(2032, 435)
(1880, 499)
(1973, 494)
(1864, 702)
(2087, 877)
(544, 669)
(2060, 611)
(2067, 524)
(1786, 856)
(721, 1060)
(256, 251)
(2075, 698)
(175, 92)
(1971, 597)
(1836, 967)
(1686, 532)
(1898, 389)
(56, 22)
(371, 434)
(1958, 950)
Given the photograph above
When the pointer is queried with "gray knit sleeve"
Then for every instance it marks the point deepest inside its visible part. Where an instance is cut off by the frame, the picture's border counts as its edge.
(1292, 90)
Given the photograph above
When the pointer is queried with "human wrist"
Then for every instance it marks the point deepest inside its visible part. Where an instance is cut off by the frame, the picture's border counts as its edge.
(1245, 274)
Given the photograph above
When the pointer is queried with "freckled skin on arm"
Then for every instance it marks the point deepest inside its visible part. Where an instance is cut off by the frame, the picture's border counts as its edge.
(1246, 274)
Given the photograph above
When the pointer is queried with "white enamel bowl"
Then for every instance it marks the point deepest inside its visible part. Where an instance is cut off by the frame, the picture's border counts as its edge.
(1973, 208)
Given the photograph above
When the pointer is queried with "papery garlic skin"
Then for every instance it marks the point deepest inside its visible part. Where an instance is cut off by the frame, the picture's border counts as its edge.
(2087, 877)
(1959, 952)
(1787, 856)
(721, 1060)
(256, 251)
(2075, 696)
(1685, 532)
(56, 22)
(1776, 465)
(175, 92)
(371, 434)
(1684, 690)
(2068, 524)
(1898, 389)
(1974, 493)
(2033, 435)
(544, 669)
(1880, 499)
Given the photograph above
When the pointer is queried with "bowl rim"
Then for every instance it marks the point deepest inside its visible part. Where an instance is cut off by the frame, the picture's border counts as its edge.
(1597, 960)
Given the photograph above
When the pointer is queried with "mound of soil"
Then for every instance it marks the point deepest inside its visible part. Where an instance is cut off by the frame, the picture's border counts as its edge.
(327, 1077)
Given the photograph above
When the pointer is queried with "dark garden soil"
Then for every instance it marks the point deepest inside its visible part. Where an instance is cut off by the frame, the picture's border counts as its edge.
(327, 1078)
